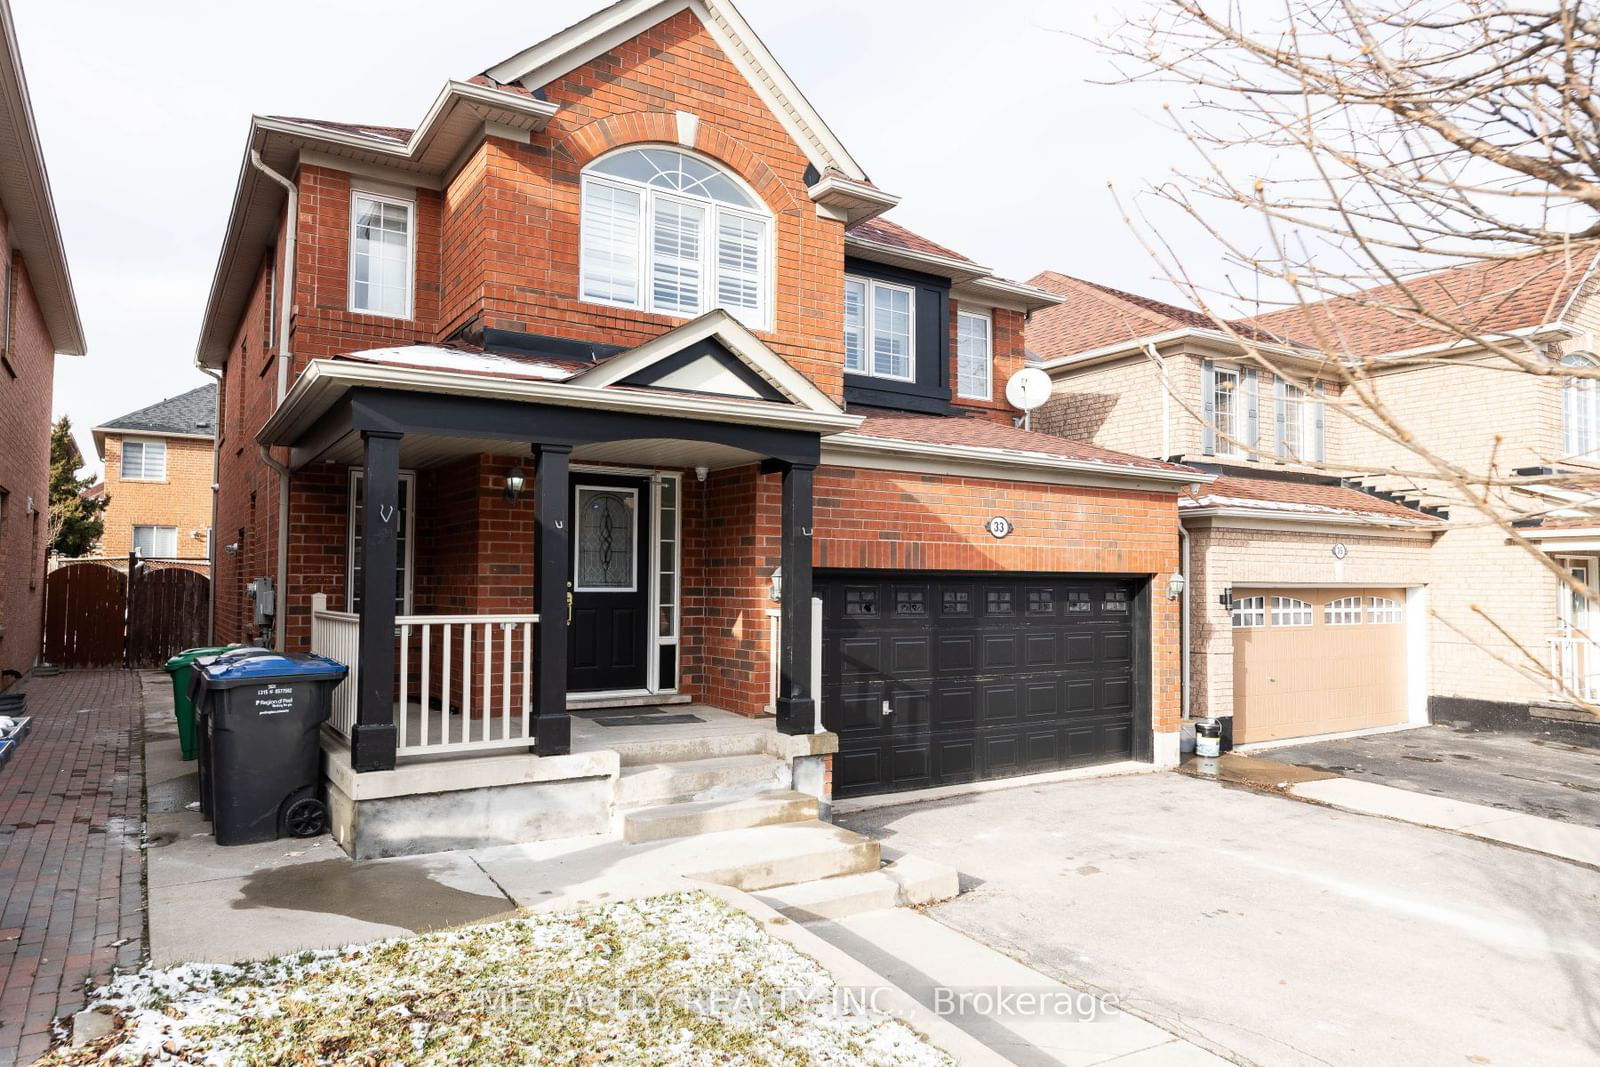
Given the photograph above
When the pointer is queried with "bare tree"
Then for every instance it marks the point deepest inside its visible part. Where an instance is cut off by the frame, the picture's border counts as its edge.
(1376, 144)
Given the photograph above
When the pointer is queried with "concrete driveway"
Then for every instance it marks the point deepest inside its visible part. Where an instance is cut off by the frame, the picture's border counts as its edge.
(1270, 930)
(1530, 775)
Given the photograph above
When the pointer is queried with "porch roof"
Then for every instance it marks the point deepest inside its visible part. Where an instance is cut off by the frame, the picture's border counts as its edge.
(1310, 501)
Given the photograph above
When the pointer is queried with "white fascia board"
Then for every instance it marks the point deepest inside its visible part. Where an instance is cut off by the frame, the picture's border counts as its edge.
(887, 453)
(604, 30)
(325, 380)
(849, 201)
(1138, 345)
(1238, 516)
(1534, 533)
(29, 203)
(1003, 293)
(957, 270)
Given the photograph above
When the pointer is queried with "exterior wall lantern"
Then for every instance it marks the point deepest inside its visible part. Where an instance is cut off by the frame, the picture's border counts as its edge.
(1175, 586)
(515, 482)
(777, 583)
(1225, 598)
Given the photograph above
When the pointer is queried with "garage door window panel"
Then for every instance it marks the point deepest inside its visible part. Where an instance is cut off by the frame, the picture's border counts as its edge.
(1346, 611)
(1290, 611)
(1249, 612)
(1382, 611)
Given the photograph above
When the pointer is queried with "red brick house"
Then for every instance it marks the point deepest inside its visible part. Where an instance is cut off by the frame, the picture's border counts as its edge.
(576, 395)
(38, 319)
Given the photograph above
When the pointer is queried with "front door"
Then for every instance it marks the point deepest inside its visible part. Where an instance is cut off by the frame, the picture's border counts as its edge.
(610, 607)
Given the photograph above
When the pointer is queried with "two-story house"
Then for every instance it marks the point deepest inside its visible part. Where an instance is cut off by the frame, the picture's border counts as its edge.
(573, 398)
(38, 320)
(1334, 582)
(158, 467)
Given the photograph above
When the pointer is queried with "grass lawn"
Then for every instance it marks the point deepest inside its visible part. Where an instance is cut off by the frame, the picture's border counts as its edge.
(677, 979)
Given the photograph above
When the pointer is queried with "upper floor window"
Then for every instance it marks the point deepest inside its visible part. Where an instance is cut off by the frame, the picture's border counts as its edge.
(1229, 397)
(1580, 410)
(668, 232)
(878, 335)
(974, 358)
(144, 461)
(1300, 428)
(382, 239)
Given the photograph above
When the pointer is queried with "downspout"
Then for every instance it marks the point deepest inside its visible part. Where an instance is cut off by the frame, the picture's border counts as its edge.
(286, 300)
(211, 535)
(1185, 712)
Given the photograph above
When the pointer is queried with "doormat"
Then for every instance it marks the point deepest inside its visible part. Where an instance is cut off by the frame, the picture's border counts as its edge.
(645, 720)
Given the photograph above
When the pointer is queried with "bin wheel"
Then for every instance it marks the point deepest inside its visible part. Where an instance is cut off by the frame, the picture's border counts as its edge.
(305, 818)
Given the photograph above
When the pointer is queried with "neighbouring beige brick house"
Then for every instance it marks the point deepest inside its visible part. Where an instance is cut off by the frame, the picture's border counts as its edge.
(158, 472)
(1333, 583)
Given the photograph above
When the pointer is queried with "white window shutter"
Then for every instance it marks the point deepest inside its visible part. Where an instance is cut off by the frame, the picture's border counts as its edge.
(610, 243)
(741, 253)
(677, 245)
(1281, 406)
(1252, 428)
(1208, 397)
(1318, 449)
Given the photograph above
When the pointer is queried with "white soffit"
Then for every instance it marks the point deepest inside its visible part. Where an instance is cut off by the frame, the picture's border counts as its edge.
(535, 67)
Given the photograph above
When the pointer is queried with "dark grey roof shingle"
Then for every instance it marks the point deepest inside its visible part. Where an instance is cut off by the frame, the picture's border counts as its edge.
(192, 413)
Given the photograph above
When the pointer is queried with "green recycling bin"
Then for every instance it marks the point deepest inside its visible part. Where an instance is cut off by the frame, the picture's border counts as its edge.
(180, 667)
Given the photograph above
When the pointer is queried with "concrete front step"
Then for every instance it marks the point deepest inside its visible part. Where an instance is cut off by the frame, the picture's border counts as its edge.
(907, 882)
(718, 778)
(688, 747)
(667, 821)
(765, 857)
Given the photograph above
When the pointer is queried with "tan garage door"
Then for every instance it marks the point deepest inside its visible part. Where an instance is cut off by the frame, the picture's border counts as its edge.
(1317, 661)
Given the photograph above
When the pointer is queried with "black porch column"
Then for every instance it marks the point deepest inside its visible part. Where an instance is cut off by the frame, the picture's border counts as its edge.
(372, 743)
(552, 555)
(797, 708)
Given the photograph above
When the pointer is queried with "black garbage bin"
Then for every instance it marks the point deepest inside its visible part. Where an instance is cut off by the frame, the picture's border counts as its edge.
(197, 698)
(263, 715)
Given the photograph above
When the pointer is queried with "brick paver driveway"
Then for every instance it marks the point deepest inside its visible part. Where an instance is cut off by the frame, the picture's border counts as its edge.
(71, 878)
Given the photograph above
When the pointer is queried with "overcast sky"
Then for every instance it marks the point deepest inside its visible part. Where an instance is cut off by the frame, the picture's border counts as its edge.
(984, 117)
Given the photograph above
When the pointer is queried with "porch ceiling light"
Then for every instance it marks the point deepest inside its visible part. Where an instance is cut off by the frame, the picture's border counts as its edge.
(777, 583)
(515, 481)
(1175, 586)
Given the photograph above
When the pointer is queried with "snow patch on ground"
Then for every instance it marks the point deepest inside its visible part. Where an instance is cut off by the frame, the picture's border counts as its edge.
(678, 979)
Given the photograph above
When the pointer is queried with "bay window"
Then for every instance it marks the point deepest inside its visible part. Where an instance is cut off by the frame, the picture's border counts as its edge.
(666, 231)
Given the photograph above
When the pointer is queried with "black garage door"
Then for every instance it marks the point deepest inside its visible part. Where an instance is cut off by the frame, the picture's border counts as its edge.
(933, 679)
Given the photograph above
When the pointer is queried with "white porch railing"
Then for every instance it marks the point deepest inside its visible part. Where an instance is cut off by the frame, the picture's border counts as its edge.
(1574, 669)
(336, 634)
(478, 666)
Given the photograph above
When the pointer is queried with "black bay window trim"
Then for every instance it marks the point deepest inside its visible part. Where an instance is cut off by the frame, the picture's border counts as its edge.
(930, 392)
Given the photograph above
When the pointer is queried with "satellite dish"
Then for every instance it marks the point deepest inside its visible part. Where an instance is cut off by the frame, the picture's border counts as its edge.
(1027, 389)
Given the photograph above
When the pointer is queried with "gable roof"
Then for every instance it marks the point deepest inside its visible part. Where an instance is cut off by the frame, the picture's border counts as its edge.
(536, 66)
(1308, 500)
(191, 414)
(1093, 315)
(29, 205)
(1496, 296)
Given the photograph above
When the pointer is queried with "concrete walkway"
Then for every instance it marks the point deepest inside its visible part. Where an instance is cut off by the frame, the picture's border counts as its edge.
(71, 903)
(1580, 844)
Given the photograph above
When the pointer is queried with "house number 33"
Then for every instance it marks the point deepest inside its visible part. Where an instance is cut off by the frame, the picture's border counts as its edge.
(999, 526)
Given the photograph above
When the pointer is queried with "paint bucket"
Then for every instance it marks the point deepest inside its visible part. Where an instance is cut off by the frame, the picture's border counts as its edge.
(1208, 738)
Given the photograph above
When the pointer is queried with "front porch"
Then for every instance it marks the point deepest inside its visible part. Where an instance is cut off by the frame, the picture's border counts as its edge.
(537, 586)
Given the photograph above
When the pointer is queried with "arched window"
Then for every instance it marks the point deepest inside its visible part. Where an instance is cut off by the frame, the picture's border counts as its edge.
(666, 231)
(1580, 410)
(1346, 611)
(1250, 611)
(1290, 611)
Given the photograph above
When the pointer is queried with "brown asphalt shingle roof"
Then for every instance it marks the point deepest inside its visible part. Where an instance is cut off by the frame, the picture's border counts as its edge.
(393, 133)
(1229, 491)
(987, 433)
(892, 233)
(1094, 315)
(1494, 296)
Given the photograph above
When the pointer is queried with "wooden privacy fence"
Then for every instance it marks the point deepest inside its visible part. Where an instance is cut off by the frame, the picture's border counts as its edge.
(134, 613)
